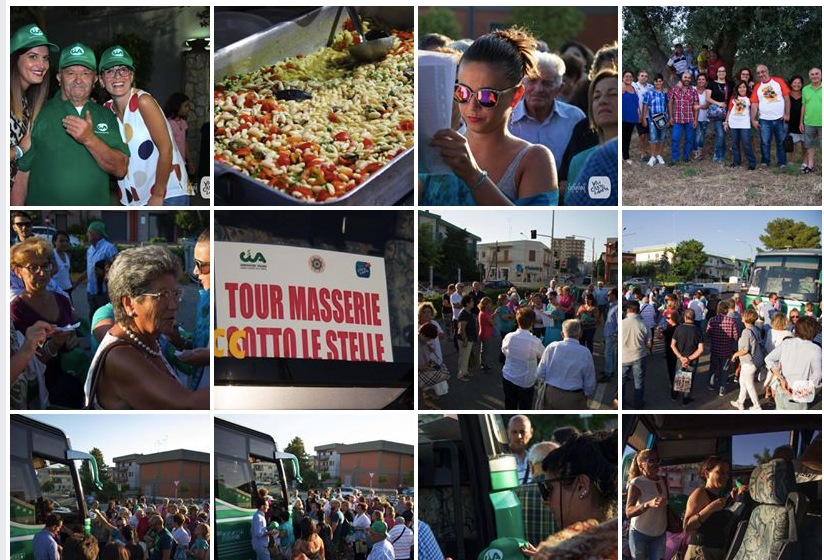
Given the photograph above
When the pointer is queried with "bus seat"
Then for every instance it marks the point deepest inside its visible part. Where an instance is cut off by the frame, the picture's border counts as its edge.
(772, 530)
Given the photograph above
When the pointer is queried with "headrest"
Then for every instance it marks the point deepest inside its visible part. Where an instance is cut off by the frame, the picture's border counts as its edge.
(772, 482)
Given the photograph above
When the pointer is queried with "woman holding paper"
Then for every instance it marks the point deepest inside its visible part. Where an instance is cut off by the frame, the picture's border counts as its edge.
(496, 167)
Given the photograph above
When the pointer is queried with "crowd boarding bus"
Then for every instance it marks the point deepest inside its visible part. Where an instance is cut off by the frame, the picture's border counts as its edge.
(244, 461)
(793, 274)
(43, 479)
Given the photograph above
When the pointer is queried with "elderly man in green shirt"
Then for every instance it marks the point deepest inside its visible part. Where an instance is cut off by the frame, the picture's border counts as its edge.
(811, 119)
(76, 143)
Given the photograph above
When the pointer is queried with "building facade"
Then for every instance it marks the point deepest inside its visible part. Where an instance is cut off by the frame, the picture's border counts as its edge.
(327, 461)
(522, 260)
(180, 473)
(376, 464)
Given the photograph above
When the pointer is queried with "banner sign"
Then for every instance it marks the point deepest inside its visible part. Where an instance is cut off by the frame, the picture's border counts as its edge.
(275, 301)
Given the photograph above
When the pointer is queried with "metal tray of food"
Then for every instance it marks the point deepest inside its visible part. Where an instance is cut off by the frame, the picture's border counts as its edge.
(307, 34)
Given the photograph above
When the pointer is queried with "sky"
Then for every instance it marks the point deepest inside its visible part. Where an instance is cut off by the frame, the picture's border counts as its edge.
(724, 233)
(512, 225)
(117, 435)
(322, 427)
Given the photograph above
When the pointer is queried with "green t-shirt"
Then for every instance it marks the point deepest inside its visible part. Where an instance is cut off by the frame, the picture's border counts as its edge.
(811, 98)
(62, 171)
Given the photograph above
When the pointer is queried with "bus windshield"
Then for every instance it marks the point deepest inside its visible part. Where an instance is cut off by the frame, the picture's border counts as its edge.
(40, 488)
(792, 277)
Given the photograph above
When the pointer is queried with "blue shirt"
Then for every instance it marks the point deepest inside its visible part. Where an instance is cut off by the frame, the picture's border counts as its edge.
(656, 102)
(259, 537)
(101, 251)
(597, 184)
(45, 547)
(567, 365)
(554, 132)
(428, 548)
(611, 323)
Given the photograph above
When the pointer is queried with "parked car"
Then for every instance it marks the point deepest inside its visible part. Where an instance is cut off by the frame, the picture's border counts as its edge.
(48, 232)
(498, 284)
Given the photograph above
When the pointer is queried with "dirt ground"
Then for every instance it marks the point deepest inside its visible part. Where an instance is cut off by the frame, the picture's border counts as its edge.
(704, 183)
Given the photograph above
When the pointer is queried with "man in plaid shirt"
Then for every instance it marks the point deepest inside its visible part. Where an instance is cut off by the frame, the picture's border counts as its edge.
(538, 520)
(723, 333)
(683, 116)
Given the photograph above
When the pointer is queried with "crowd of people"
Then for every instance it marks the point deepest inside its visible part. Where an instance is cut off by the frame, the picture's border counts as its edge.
(331, 525)
(737, 106)
(765, 343)
(546, 340)
(65, 149)
(130, 530)
(130, 353)
(530, 127)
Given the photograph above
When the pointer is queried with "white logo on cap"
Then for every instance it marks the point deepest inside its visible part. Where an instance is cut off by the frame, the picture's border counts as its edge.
(77, 51)
(102, 127)
(117, 52)
(35, 31)
(599, 187)
(493, 554)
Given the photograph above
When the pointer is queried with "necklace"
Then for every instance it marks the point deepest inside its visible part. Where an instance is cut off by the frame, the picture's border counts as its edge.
(140, 343)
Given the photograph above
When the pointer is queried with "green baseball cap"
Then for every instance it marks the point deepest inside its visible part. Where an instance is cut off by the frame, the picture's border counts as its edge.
(98, 227)
(505, 548)
(78, 54)
(30, 36)
(115, 56)
(378, 527)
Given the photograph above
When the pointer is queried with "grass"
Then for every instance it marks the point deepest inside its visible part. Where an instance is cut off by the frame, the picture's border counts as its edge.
(711, 184)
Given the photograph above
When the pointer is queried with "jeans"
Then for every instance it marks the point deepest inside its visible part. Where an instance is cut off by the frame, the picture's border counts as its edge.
(262, 553)
(610, 355)
(638, 370)
(679, 130)
(770, 129)
(517, 397)
(741, 135)
(717, 372)
(588, 339)
(720, 151)
(179, 200)
(644, 547)
(700, 135)
(656, 134)
(485, 346)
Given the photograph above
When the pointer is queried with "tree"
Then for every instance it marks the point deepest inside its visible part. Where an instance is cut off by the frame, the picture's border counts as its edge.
(785, 233)
(429, 253)
(191, 222)
(554, 25)
(439, 20)
(688, 259)
(785, 38)
(87, 481)
(454, 255)
(296, 447)
(763, 457)
(47, 486)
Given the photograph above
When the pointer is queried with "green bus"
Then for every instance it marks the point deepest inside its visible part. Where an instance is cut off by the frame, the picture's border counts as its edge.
(793, 274)
(43, 479)
(245, 460)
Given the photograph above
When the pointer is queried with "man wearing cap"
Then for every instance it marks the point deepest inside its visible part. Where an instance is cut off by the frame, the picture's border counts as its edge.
(381, 548)
(99, 250)
(75, 143)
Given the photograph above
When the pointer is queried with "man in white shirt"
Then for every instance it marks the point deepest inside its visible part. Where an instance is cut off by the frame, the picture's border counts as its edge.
(770, 103)
(522, 351)
(402, 539)
(568, 371)
(700, 310)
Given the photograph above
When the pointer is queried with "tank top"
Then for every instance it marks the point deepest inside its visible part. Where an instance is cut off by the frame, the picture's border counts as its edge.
(652, 522)
(506, 184)
(136, 186)
(712, 532)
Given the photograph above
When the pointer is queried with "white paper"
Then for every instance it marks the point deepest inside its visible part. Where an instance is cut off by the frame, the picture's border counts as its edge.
(436, 83)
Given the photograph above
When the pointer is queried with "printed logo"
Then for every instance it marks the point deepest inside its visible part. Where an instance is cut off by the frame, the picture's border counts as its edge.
(599, 187)
(248, 258)
(317, 264)
(493, 554)
(77, 51)
(35, 31)
(102, 128)
(363, 269)
(117, 52)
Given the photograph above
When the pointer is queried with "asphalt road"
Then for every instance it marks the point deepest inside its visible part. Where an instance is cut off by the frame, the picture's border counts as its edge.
(484, 391)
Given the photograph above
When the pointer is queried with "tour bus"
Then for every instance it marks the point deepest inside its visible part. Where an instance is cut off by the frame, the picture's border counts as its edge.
(245, 460)
(43, 479)
(793, 274)
(683, 442)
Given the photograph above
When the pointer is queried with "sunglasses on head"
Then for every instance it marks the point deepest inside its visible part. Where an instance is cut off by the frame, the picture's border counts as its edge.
(487, 97)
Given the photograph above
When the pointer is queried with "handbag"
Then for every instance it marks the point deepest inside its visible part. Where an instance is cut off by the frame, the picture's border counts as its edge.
(659, 120)
(540, 391)
(431, 377)
(682, 382)
(674, 523)
(716, 113)
(788, 144)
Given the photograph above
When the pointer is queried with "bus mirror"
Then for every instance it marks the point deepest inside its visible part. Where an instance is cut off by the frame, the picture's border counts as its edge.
(73, 455)
(281, 456)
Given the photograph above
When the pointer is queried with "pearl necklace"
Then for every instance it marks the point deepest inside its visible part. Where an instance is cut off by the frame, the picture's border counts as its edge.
(140, 343)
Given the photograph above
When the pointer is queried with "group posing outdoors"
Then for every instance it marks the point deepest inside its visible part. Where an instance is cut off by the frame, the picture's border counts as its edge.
(546, 340)
(530, 127)
(739, 107)
(129, 352)
(130, 530)
(332, 525)
(761, 344)
(65, 149)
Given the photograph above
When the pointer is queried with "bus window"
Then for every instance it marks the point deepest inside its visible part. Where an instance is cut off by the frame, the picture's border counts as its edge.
(749, 450)
(23, 492)
(235, 484)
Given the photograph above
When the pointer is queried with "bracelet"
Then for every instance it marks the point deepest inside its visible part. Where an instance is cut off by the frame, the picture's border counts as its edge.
(480, 182)
(49, 354)
(18, 152)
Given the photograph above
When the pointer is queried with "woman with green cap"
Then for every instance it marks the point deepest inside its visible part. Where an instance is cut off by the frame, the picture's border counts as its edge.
(157, 170)
(29, 80)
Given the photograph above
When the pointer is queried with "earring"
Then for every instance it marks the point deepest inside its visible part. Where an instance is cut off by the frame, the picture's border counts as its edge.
(583, 494)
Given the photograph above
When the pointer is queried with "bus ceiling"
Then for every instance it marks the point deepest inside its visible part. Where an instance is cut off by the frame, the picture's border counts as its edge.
(73, 455)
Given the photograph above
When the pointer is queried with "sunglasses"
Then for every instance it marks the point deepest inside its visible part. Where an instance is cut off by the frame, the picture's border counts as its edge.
(487, 97)
(652, 460)
(202, 265)
(22, 224)
(166, 294)
(545, 486)
(793, 316)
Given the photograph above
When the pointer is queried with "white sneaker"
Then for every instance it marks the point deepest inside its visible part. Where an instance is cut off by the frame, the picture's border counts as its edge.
(738, 405)
(755, 407)
(660, 160)
(651, 161)
(628, 161)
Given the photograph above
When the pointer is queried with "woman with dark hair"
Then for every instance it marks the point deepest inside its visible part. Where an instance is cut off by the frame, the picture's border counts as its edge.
(29, 82)
(115, 551)
(721, 91)
(629, 114)
(325, 532)
(310, 545)
(580, 483)
(496, 167)
(705, 517)
(796, 84)
(177, 109)
(579, 51)
(136, 551)
(589, 315)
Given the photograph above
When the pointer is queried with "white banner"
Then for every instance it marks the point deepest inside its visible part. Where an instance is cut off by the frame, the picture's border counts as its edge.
(275, 301)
